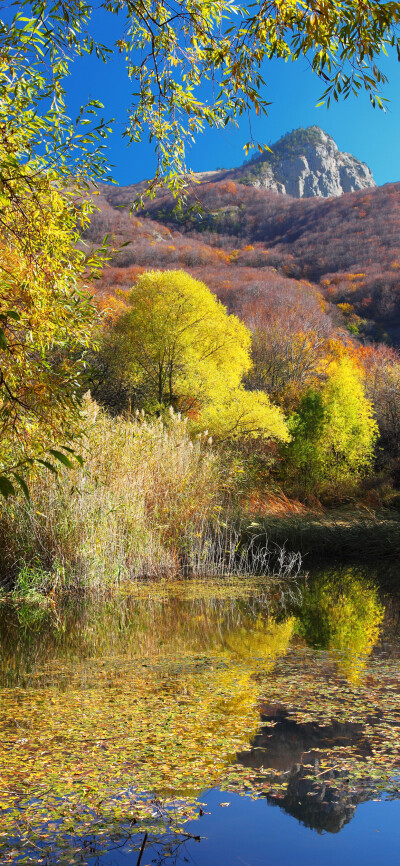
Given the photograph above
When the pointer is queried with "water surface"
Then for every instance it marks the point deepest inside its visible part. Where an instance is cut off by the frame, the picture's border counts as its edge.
(233, 712)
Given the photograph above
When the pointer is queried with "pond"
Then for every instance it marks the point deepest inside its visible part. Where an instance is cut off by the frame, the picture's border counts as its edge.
(219, 723)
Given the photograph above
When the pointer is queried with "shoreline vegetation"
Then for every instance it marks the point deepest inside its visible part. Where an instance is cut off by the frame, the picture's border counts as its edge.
(152, 501)
(149, 501)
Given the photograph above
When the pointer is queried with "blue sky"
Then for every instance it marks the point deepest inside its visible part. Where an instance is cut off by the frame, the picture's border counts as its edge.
(367, 133)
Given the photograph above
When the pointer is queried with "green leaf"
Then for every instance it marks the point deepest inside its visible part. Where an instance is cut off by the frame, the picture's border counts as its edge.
(47, 465)
(23, 485)
(78, 457)
(3, 341)
(6, 488)
(62, 458)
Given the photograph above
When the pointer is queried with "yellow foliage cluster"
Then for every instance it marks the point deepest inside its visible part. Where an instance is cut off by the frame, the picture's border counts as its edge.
(46, 319)
(176, 346)
(345, 616)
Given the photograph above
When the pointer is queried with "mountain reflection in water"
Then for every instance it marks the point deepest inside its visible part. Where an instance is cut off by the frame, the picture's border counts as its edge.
(118, 713)
(321, 800)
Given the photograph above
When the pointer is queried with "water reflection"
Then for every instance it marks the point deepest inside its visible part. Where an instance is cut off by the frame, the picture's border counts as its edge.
(157, 623)
(342, 612)
(321, 799)
(174, 690)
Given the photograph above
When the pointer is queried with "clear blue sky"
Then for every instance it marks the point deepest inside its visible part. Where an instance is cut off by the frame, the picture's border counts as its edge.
(367, 133)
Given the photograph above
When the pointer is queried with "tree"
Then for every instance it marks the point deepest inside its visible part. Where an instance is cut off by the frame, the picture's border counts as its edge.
(334, 433)
(290, 355)
(46, 314)
(381, 367)
(172, 50)
(176, 346)
(46, 319)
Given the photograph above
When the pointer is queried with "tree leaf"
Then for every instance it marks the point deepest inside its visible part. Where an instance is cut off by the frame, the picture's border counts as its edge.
(48, 465)
(62, 458)
(23, 485)
(6, 488)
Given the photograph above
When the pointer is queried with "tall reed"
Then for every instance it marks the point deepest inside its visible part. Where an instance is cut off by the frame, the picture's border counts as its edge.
(143, 489)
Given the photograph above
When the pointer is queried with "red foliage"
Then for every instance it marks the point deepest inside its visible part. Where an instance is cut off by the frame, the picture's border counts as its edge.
(262, 252)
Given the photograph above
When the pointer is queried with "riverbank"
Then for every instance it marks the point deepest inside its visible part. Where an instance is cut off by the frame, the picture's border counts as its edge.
(342, 535)
(149, 501)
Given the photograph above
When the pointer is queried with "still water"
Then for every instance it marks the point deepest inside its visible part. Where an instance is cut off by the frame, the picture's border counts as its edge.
(221, 723)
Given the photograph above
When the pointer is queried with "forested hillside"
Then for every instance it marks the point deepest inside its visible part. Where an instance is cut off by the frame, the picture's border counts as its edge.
(255, 247)
(248, 278)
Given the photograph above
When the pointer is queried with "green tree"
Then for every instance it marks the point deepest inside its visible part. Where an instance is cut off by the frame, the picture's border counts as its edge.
(334, 433)
(177, 346)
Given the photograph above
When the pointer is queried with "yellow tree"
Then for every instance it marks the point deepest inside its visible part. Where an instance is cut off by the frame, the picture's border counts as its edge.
(177, 346)
(46, 314)
(46, 319)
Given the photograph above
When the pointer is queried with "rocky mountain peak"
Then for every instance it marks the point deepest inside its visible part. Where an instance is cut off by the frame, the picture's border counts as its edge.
(306, 163)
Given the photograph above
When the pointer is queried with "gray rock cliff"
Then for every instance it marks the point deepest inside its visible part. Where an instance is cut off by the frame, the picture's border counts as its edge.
(306, 163)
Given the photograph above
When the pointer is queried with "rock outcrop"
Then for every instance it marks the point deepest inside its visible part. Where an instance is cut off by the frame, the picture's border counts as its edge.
(306, 163)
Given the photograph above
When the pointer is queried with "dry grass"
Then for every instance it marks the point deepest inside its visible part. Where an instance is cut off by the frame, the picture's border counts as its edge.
(274, 503)
(129, 512)
(149, 501)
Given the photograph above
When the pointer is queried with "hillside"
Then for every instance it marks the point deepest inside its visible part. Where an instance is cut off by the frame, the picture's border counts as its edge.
(246, 277)
(250, 244)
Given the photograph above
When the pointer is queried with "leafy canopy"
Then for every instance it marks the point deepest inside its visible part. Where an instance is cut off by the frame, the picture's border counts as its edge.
(334, 431)
(194, 64)
(177, 346)
(46, 314)
(46, 319)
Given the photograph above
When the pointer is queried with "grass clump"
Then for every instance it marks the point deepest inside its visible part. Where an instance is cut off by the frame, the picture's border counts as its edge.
(128, 512)
(32, 582)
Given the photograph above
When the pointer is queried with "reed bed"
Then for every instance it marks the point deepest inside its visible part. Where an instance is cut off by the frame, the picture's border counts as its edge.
(123, 515)
(147, 502)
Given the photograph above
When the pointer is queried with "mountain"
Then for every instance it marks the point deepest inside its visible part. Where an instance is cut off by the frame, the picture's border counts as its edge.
(303, 164)
(321, 800)
(334, 260)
